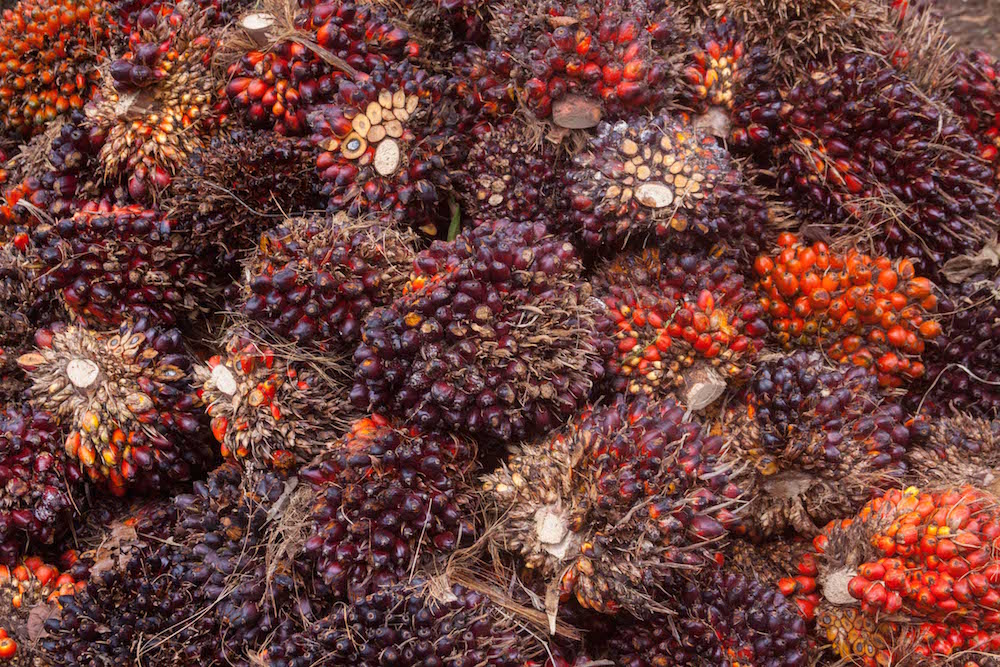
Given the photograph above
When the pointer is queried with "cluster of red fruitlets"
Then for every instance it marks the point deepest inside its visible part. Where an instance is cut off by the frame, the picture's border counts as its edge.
(975, 98)
(30, 585)
(872, 312)
(711, 67)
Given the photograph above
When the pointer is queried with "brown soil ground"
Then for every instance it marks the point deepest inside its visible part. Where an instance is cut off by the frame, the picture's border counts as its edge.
(974, 23)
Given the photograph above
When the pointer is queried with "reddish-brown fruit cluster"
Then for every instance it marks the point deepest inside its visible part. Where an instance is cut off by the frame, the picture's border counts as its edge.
(383, 497)
(913, 572)
(49, 53)
(22, 309)
(25, 589)
(711, 67)
(267, 408)
(483, 87)
(975, 98)
(111, 265)
(663, 177)
(125, 403)
(609, 59)
(623, 492)
(873, 312)
(276, 84)
(674, 313)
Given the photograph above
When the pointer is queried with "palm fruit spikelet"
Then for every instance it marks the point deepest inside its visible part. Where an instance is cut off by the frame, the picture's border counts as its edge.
(276, 82)
(316, 279)
(872, 312)
(383, 144)
(659, 176)
(622, 493)
(711, 68)
(820, 439)
(266, 406)
(410, 624)
(860, 150)
(725, 618)
(25, 590)
(678, 317)
(49, 50)
(975, 99)
(579, 62)
(22, 308)
(39, 483)
(913, 572)
(384, 498)
(494, 337)
(958, 449)
(156, 108)
(209, 595)
(124, 401)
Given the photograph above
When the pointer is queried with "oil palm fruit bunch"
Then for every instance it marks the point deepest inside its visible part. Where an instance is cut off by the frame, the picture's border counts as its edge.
(203, 597)
(662, 177)
(912, 574)
(22, 309)
(821, 441)
(483, 87)
(579, 62)
(419, 623)
(383, 144)
(860, 149)
(507, 173)
(873, 312)
(384, 498)
(498, 344)
(724, 618)
(276, 81)
(157, 106)
(958, 449)
(124, 402)
(267, 407)
(684, 324)
(113, 264)
(315, 280)
(30, 587)
(39, 482)
(975, 99)
(50, 50)
(617, 498)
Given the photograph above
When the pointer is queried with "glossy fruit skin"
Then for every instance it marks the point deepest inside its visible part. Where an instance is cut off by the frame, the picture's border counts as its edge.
(975, 97)
(712, 67)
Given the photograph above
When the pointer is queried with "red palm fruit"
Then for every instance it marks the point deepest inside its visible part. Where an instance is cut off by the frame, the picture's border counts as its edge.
(660, 177)
(26, 589)
(115, 264)
(482, 87)
(465, 347)
(711, 68)
(622, 494)
(316, 279)
(274, 86)
(868, 311)
(50, 50)
(685, 324)
(975, 98)
(821, 440)
(263, 402)
(383, 146)
(385, 499)
(124, 401)
(577, 62)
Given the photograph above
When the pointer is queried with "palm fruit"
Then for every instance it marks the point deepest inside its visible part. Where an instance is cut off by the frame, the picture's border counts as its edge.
(494, 338)
(50, 50)
(685, 324)
(724, 618)
(619, 497)
(820, 440)
(957, 449)
(507, 174)
(410, 624)
(266, 406)
(277, 81)
(22, 308)
(975, 99)
(482, 86)
(25, 590)
(872, 312)
(209, 595)
(384, 498)
(157, 107)
(383, 144)
(579, 62)
(659, 176)
(446, 24)
(316, 279)
(112, 264)
(712, 67)
(38, 481)
(124, 401)
(912, 574)
(861, 150)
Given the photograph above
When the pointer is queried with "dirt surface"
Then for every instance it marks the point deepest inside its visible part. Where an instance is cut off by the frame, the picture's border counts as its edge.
(975, 24)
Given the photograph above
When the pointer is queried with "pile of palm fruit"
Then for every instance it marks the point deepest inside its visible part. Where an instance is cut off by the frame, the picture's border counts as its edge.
(498, 333)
